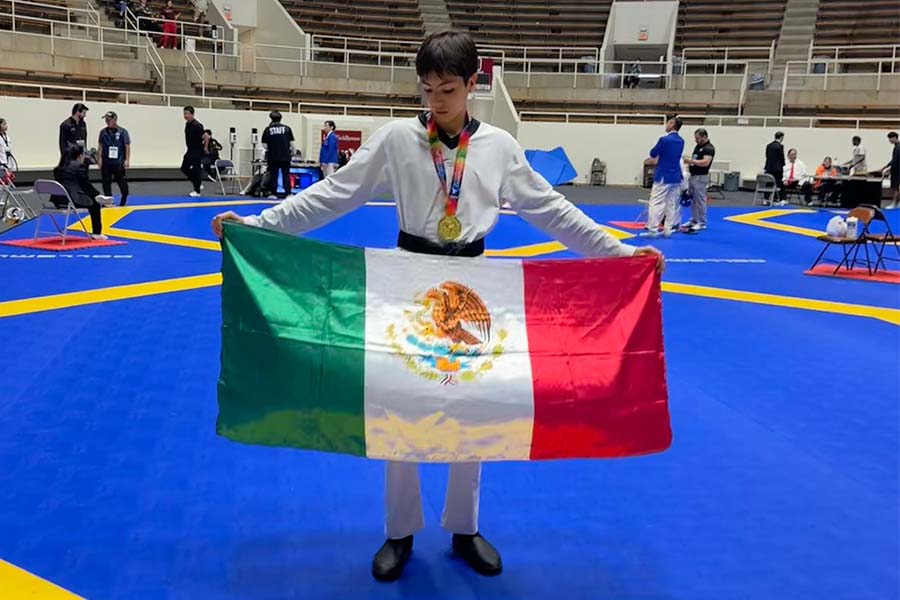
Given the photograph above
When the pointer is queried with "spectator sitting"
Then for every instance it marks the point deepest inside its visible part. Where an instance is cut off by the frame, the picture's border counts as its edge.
(796, 177)
(73, 175)
(826, 181)
(633, 79)
(211, 149)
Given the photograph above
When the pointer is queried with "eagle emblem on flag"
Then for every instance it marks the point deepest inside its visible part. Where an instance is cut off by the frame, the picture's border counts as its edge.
(448, 336)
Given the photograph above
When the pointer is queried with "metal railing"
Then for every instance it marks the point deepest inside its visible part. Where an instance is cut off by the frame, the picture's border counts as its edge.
(156, 61)
(891, 51)
(712, 120)
(304, 57)
(132, 97)
(831, 72)
(348, 109)
(197, 67)
(722, 54)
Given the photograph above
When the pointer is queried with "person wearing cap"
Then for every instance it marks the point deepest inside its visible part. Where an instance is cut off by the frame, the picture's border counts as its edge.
(73, 131)
(114, 157)
(279, 142)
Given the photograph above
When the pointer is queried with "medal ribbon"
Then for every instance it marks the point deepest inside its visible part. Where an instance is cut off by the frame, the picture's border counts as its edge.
(459, 165)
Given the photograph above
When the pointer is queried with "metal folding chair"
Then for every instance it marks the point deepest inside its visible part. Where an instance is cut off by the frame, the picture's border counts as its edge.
(54, 188)
(850, 246)
(880, 241)
(765, 184)
(13, 207)
(225, 171)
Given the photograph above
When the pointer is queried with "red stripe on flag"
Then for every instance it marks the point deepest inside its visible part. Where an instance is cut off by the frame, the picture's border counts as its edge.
(596, 346)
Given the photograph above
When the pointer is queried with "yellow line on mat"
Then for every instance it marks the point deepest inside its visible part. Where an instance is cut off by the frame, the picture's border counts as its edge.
(890, 315)
(18, 584)
(161, 238)
(759, 219)
(122, 292)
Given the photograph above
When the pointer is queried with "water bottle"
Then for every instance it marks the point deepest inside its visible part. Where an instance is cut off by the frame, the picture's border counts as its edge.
(852, 223)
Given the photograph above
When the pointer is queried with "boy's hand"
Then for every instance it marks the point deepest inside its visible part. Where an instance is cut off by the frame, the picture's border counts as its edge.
(651, 251)
(225, 216)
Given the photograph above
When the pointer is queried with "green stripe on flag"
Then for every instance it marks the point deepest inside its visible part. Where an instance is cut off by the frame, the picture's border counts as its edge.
(293, 333)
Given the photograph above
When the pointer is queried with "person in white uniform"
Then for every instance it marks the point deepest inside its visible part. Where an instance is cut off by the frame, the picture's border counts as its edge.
(857, 163)
(410, 160)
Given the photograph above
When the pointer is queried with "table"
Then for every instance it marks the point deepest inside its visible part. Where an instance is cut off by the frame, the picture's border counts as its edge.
(854, 191)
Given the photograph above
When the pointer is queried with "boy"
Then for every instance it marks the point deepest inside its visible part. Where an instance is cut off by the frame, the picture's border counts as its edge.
(434, 219)
(193, 157)
(328, 153)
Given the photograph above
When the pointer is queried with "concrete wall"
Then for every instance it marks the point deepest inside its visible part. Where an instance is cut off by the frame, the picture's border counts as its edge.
(38, 61)
(243, 12)
(631, 17)
(158, 137)
(624, 147)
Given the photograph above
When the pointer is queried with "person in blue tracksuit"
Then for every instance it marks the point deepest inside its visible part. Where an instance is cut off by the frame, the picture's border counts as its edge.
(328, 155)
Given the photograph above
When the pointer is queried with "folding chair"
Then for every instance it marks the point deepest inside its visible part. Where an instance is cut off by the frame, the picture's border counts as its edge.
(225, 171)
(881, 240)
(765, 184)
(850, 246)
(54, 188)
(13, 207)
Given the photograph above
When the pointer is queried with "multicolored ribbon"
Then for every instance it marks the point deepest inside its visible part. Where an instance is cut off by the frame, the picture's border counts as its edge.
(459, 165)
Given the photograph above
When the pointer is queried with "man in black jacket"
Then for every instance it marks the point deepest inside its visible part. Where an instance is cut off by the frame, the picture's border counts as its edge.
(73, 131)
(775, 163)
(73, 175)
(193, 140)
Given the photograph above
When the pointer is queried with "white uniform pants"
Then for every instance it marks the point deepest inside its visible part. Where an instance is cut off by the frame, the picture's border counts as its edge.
(664, 198)
(403, 499)
(328, 169)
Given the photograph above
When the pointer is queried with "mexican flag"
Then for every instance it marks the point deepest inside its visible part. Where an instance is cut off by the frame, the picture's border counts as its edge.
(407, 357)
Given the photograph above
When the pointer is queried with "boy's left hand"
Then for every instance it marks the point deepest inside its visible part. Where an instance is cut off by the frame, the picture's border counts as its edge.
(651, 251)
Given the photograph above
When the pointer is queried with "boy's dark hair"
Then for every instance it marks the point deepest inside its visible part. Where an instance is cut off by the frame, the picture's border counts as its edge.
(78, 107)
(189, 109)
(275, 116)
(331, 124)
(74, 152)
(779, 136)
(857, 139)
(208, 132)
(893, 134)
(447, 53)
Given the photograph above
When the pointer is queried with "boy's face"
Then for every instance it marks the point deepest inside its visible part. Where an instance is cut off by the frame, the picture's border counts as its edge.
(447, 96)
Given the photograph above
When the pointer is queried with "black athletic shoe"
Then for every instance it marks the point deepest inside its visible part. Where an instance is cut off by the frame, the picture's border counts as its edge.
(391, 558)
(479, 553)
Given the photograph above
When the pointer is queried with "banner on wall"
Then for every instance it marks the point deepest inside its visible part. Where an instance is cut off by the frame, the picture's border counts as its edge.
(347, 139)
(485, 77)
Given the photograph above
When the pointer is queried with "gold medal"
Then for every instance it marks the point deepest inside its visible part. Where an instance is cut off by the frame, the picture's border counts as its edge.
(449, 229)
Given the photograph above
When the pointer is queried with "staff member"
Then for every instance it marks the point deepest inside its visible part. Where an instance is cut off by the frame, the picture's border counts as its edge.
(698, 165)
(193, 140)
(857, 162)
(115, 156)
(328, 155)
(893, 168)
(667, 178)
(73, 131)
(279, 142)
(211, 149)
(775, 163)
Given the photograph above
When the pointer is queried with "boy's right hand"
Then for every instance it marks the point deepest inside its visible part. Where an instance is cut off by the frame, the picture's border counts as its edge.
(225, 216)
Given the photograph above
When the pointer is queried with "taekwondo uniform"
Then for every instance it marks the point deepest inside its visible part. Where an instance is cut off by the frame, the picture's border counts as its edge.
(397, 163)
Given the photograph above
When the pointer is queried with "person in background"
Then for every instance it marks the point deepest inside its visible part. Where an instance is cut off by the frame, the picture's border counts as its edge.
(211, 149)
(170, 27)
(893, 169)
(328, 155)
(698, 164)
(667, 178)
(278, 140)
(114, 158)
(633, 79)
(857, 163)
(795, 176)
(7, 160)
(775, 163)
(193, 157)
(73, 131)
(826, 182)
(73, 175)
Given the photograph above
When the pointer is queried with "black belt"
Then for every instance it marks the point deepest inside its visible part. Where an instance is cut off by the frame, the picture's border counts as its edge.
(414, 243)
